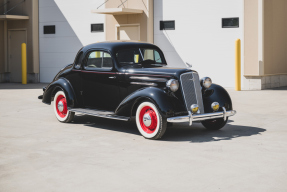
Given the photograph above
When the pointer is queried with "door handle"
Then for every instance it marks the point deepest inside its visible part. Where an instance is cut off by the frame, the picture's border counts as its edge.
(112, 77)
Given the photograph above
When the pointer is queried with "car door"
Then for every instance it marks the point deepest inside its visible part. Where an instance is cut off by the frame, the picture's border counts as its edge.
(99, 81)
(74, 77)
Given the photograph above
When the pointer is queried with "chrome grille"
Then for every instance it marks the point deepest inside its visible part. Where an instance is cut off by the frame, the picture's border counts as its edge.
(191, 90)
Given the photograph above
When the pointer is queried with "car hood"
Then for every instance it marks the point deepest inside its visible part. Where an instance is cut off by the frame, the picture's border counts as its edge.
(158, 71)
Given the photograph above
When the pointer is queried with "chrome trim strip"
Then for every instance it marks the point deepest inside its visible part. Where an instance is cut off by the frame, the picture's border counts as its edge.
(148, 79)
(198, 92)
(187, 108)
(201, 117)
(144, 83)
(193, 80)
(98, 113)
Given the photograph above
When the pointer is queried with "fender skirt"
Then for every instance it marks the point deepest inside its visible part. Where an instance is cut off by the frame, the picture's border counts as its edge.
(218, 94)
(166, 104)
(63, 84)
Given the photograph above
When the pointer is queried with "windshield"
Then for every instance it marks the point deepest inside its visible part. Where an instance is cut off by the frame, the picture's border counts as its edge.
(140, 56)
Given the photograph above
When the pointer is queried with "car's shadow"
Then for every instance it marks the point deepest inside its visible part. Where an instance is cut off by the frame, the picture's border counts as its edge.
(198, 134)
(175, 133)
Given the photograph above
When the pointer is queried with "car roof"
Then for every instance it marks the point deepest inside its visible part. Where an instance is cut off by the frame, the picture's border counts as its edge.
(117, 45)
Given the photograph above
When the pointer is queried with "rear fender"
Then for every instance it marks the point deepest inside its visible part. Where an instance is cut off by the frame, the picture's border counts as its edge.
(60, 84)
(166, 104)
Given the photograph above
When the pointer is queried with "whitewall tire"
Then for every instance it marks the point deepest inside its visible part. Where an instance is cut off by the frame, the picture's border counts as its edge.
(150, 122)
(60, 108)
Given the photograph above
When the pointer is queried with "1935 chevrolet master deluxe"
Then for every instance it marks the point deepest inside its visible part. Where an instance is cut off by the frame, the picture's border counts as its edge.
(123, 79)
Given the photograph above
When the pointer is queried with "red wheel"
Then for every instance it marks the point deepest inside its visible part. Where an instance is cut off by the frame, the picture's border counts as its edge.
(61, 106)
(61, 109)
(149, 121)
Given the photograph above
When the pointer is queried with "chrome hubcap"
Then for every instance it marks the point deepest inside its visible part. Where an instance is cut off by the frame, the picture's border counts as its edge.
(147, 120)
(60, 106)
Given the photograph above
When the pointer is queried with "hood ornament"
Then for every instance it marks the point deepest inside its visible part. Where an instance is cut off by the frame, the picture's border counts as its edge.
(188, 65)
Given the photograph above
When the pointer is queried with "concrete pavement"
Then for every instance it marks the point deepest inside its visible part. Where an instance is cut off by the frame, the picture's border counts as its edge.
(38, 153)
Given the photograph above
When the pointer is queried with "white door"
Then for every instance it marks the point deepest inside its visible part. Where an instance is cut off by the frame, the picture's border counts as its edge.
(128, 33)
(16, 38)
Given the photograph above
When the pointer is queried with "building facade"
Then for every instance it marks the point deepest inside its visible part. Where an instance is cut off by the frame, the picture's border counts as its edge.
(19, 24)
(71, 21)
(265, 44)
(202, 33)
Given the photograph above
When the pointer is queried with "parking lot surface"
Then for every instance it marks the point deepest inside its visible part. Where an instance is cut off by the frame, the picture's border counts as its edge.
(38, 153)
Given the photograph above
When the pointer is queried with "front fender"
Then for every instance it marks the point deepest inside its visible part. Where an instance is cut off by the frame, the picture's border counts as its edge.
(166, 103)
(218, 94)
(64, 85)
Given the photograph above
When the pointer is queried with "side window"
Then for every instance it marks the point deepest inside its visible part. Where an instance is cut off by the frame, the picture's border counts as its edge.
(99, 60)
(151, 54)
(107, 61)
(157, 57)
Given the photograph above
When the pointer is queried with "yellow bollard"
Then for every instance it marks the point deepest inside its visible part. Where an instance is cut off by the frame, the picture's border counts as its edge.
(238, 65)
(98, 54)
(136, 58)
(24, 64)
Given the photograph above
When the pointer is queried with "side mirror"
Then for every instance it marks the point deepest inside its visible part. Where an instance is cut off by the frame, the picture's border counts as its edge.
(189, 65)
(78, 66)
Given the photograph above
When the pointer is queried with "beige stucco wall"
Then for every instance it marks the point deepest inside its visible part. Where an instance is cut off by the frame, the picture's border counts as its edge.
(35, 35)
(251, 37)
(275, 37)
(274, 41)
(29, 8)
(2, 65)
(145, 19)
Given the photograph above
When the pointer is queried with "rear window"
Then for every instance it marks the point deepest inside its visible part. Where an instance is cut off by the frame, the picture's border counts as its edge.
(138, 55)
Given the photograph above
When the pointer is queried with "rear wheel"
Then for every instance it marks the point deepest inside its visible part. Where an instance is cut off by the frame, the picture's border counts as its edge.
(61, 109)
(214, 124)
(149, 121)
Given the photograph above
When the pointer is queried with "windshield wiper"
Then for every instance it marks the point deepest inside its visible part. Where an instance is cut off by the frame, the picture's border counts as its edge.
(141, 53)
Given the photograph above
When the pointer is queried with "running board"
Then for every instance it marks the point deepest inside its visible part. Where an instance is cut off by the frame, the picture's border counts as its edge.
(99, 113)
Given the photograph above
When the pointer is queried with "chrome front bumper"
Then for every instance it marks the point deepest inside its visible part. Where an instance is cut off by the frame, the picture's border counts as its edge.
(201, 117)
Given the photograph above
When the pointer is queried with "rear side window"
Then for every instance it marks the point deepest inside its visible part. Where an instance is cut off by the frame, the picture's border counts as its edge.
(99, 60)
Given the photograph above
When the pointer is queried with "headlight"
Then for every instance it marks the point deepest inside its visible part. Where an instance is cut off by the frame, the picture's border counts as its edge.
(172, 84)
(206, 82)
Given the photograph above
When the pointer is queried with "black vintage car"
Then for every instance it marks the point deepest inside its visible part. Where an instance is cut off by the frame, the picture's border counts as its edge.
(122, 79)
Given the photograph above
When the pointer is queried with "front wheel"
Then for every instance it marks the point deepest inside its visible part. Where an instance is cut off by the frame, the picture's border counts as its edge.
(61, 109)
(149, 121)
(214, 124)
